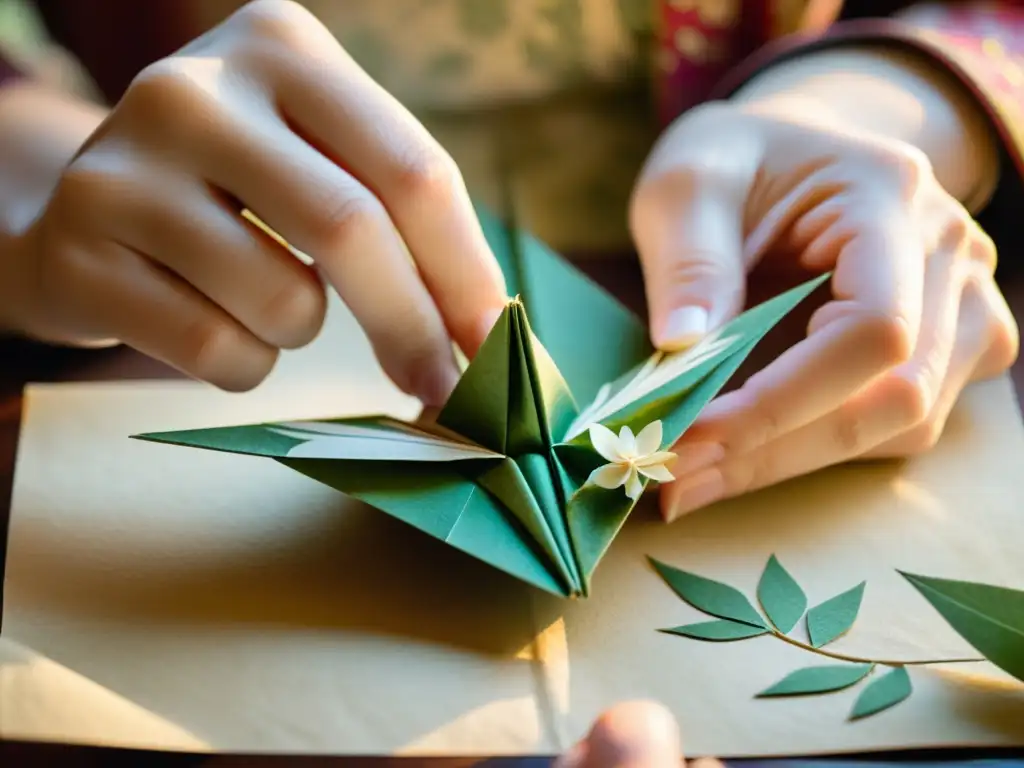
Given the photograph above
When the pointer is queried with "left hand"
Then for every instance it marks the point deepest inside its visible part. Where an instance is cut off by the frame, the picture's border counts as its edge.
(915, 313)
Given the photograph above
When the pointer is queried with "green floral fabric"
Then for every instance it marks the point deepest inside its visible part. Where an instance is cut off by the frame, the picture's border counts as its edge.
(547, 95)
(473, 52)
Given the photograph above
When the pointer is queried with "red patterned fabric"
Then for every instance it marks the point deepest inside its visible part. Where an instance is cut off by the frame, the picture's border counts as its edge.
(698, 42)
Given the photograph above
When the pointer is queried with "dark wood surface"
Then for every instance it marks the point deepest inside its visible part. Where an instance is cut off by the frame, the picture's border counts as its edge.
(22, 363)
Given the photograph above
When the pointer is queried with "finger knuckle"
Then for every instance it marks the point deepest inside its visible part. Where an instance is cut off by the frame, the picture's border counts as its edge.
(958, 232)
(295, 313)
(910, 397)
(983, 248)
(278, 21)
(169, 94)
(903, 166)
(763, 426)
(682, 181)
(741, 477)
(890, 335)
(429, 178)
(850, 432)
(335, 228)
(208, 342)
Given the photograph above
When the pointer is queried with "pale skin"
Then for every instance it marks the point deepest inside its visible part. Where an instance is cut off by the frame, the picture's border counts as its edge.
(123, 226)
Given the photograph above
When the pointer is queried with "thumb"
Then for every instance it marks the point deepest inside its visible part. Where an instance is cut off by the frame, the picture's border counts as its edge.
(689, 235)
(637, 734)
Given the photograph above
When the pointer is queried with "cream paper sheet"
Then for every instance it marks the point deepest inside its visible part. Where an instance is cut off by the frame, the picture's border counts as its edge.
(242, 607)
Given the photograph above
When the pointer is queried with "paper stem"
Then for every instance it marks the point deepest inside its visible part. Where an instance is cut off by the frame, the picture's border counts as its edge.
(860, 659)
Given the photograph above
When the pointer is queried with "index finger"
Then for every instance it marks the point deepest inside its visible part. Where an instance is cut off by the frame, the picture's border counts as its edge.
(341, 110)
(869, 328)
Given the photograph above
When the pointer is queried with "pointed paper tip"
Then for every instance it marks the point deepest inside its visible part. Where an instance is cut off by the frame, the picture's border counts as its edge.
(657, 565)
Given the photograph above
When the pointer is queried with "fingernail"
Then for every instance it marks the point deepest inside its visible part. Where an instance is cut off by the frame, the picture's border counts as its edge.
(684, 327)
(694, 457)
(694, 492)
(433, 385)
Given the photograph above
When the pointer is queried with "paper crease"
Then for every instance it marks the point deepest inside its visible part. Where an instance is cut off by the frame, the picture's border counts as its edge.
(549, 663)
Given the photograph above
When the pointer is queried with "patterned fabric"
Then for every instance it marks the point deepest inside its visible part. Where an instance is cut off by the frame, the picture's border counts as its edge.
(473, 53)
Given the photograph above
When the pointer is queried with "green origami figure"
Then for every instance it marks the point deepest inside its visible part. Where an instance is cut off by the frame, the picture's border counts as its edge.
(551, 435)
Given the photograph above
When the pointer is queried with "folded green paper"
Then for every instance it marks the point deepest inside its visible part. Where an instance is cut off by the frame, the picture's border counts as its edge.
(562, 420)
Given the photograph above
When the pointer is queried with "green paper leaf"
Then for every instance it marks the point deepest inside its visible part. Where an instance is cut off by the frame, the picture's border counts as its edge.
(820, 679)
(712, 597)
(720, 630)
(834, 617)
(990, 618)
(780, 596)
(884, 692)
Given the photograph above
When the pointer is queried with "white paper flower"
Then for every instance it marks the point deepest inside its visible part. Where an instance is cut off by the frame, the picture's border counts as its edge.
(630, 457)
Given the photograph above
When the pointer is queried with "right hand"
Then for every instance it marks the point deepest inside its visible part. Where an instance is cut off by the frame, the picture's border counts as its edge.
(631, 734)
(142, 240)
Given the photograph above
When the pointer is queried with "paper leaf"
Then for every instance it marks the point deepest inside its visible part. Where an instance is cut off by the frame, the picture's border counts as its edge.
(834, 617)
(988, 617)
(884, 692)
(780, 596)
(821, 679)
(719, 630)
(712, 597)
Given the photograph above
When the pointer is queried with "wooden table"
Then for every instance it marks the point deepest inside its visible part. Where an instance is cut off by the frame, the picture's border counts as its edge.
(21, 364)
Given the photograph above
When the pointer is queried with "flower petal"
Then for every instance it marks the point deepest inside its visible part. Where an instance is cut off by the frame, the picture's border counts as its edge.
(658, 457)
(634, 486)
(627, 443)
(649, 439)
(657, 472)
(609, 476)
(605, 442)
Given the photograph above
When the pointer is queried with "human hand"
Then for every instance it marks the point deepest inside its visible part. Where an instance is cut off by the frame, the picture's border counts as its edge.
(142, 240)
(915, 313)
(636, 734)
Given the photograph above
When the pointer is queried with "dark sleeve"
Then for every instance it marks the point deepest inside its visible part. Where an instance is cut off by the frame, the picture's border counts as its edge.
(981, 45)
(114, 39)
(8, 72)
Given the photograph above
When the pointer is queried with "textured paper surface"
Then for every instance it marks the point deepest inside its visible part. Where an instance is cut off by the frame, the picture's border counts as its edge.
(254, 609)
